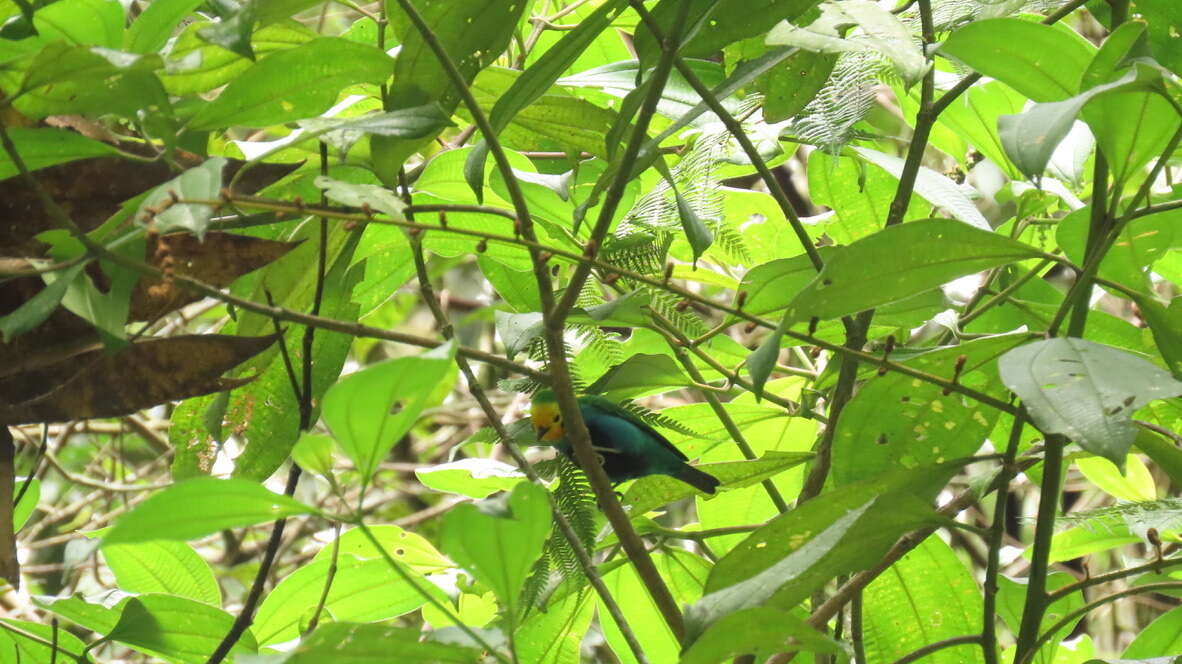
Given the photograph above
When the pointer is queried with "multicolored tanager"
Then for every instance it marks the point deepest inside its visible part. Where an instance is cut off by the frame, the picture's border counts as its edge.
(628, 448)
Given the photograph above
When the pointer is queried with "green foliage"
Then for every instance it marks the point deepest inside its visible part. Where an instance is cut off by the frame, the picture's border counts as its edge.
(938, 243)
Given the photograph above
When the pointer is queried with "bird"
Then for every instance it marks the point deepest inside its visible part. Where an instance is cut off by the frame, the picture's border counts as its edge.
(628, 448)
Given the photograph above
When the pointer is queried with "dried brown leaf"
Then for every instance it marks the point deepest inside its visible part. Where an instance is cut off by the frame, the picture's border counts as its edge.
(147, 373)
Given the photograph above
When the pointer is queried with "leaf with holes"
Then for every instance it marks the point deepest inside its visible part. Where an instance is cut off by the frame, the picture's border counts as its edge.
(1085, 391)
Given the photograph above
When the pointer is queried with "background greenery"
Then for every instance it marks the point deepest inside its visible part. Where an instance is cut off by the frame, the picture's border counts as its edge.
(905, 278)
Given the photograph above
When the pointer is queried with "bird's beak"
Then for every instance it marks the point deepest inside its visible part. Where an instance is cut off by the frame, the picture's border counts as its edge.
(542, 431)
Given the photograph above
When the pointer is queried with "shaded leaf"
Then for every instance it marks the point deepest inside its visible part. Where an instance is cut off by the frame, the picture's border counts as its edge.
(648, 493)
(42, 147)
(94, 383)
(1085, 391)
(373, 196)
(517, 330)
(760, 631)
(36, 309)
(374, 644)
(199, 183)
(176, 628)
(639, 374)
(217, 260)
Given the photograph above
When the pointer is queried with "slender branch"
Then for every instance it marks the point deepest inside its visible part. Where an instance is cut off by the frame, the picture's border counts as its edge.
(996, 534)
(1024, 658)
(1155, 566)
(1036, 583)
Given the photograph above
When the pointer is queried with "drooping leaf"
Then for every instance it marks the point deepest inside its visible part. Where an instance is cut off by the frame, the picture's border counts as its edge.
(370, 410)
(36, 309)
(1085, 391)
(203, 182)
(517, 330)
(499, 539)
(639, 374)
(209, 505)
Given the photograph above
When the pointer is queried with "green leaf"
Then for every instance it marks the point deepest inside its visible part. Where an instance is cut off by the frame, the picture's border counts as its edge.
(873, 271)
(1031, 137)
(209, 505)
(925, 597)
(771, 286)
(499, 539)
(474, 478)
(791, 86)
(799, 551)
(682, 572)
(699, 236)
(25, 649)
(881, 32)
(175, 628)
(202, 182)
(313, 452)
(935, 188)
(648, 493)
(407, 548)
(1085, 391)
(413, 122)
(555, 636)
(232, 30)
(293, 84)
(895, 421)
(43, 147)
(518, 330)
(82, 22)
(762, 360)
(1133, 484)
(536, 79)
(352, 643)
(153, 27)
(373, 196)
(162, 566)
(95, 617)
(1042, 62)
(370, 410)
(28, 502)
(35, 310)
(639, 374)
(1163, 635)
(732, 20)
(473, 35)
(364, 591)
(760, 631)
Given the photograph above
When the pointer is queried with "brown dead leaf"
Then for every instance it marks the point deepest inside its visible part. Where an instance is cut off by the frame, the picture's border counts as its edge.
(218, 261)
(147, 373)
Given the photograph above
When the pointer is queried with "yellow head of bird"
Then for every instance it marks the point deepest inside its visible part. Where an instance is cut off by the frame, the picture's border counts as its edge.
(547, 421)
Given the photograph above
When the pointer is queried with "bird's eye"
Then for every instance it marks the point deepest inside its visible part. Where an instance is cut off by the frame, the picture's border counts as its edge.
(557, 419)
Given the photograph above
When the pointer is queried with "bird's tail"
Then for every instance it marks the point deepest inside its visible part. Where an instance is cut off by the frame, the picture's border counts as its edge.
(701, 481)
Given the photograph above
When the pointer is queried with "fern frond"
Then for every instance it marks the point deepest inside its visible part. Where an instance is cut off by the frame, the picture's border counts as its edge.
(658, 419)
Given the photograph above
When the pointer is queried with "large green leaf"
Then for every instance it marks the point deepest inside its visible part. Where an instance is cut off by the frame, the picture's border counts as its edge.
(499, 539)
(175, 629)
(1085, 391)
(1042, 62)
(370, 410)
(208, 505)
(364, 591)
(794, 554)
(354, 643)
(874, 271)
(162, 566)
(294, 84)
(892, 422)
(926, 596)
(44, 147)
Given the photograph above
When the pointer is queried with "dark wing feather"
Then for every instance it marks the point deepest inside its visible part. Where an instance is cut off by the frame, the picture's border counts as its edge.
(612, 408)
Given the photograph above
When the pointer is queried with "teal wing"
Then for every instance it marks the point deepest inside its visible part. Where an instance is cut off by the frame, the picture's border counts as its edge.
(612, 408)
